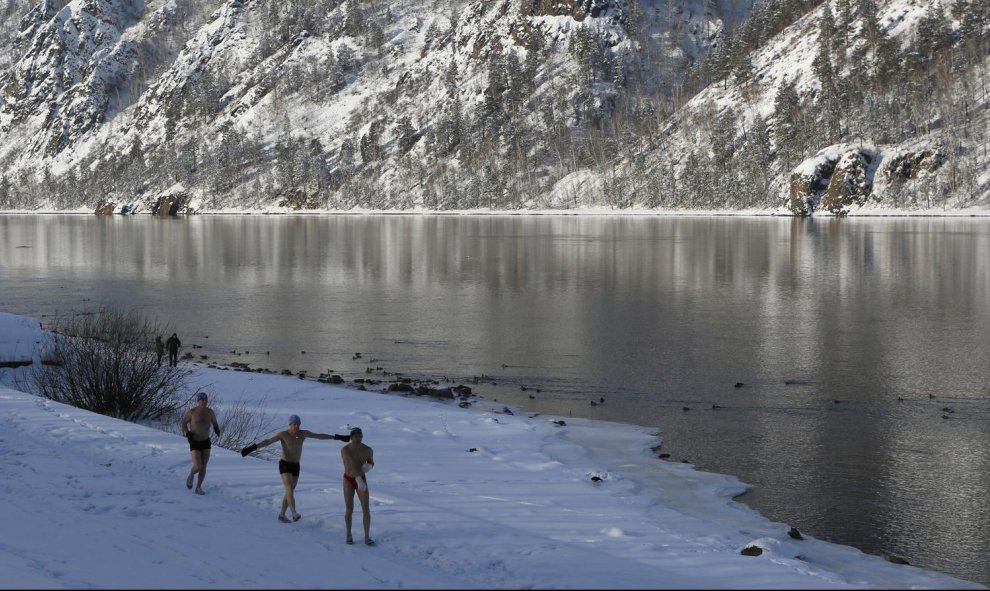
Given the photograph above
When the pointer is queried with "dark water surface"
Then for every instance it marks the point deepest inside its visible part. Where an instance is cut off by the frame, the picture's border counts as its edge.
(653, 314)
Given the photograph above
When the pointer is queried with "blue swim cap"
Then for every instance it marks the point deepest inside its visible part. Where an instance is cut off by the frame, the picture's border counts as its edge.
(295, 419)
(200, 395)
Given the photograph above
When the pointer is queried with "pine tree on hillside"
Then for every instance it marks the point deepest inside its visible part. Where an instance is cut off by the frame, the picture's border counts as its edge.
(531, 64)
(723, 138)
(843, 21)
(888, 70)
(432, 34)
(450, 79)
(515, 82)
(745, 72)
(370, 148)
(345, 157)
(788, 124)
(406, 134)
(5, 193)
(972, 18)
(933, 33)
(828, 100)
(869, 17)
(826, 28)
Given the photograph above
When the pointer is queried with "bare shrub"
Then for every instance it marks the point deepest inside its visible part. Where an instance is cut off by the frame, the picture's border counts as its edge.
(242, 424)
(105, 362)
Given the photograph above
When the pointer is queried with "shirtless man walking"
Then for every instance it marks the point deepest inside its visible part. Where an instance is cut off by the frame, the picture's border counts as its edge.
(196, 426)
(288, 467)
(358, 458)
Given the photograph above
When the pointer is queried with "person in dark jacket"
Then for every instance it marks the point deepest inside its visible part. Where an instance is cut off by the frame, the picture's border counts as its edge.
(159, 349)
(173, 344)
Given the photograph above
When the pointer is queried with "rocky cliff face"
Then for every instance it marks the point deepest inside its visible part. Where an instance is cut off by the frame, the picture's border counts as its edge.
(576, 9)
(249, 101)
(835, 180)
(282, 104)
(840, 179)
(76, 63)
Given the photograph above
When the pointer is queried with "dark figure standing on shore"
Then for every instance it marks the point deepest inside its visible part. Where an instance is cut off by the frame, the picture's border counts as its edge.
(159, 349)
(292, 440)
(173, 350)
(196, 427)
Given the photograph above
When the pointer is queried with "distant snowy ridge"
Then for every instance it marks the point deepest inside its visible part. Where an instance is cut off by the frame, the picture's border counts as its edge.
(258, 105)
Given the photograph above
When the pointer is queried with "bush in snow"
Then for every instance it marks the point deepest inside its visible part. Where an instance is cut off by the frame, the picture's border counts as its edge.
(105, 362)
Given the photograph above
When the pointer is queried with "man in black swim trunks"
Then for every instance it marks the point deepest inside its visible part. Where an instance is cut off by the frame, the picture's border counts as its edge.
(196, 427)
(292, 441)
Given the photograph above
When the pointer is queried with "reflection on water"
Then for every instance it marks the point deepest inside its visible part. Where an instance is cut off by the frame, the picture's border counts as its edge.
(654, 314)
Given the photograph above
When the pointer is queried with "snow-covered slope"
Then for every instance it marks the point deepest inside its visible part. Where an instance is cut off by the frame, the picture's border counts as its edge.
(918, 144)
(329, 104)
(172, 106)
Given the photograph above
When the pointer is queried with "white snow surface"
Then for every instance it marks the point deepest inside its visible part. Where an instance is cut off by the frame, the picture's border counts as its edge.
(91, 501)
(21, 338)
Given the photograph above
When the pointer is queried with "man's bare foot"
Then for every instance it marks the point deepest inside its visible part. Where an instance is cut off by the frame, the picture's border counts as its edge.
(296, 517)
(369, 542)
(199, 491)
(283, 519)
(350, 540)
(189, 482)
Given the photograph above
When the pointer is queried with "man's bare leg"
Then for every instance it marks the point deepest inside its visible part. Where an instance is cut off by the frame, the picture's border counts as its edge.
(205, 454)
(289, 500)
(348, 509)
(196, 467)
(366, 510)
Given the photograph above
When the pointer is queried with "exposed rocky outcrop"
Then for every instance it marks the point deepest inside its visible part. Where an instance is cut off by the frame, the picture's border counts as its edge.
(172, 205)
(834, 180)
(577, 9)
(807, 183)
(298, 200)
(851, 182)
(909, 166)
(105, 207)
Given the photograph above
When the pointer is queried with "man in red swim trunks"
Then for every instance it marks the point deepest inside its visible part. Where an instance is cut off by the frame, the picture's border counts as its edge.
(288, 467)
(358, 458)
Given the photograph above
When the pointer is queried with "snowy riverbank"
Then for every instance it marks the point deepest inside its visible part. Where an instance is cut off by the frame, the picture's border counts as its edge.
(92, 501)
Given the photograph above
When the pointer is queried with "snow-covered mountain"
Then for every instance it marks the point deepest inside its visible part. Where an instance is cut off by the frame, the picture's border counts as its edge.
(858, 105)
(180, 106)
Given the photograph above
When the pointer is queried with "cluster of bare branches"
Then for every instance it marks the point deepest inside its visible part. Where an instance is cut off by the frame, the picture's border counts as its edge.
(105, 362)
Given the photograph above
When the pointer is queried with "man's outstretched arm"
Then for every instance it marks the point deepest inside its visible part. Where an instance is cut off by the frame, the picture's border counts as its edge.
(325, 436)
(264, 443)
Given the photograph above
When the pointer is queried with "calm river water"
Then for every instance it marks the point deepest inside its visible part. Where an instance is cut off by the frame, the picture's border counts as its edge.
(879, 324)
